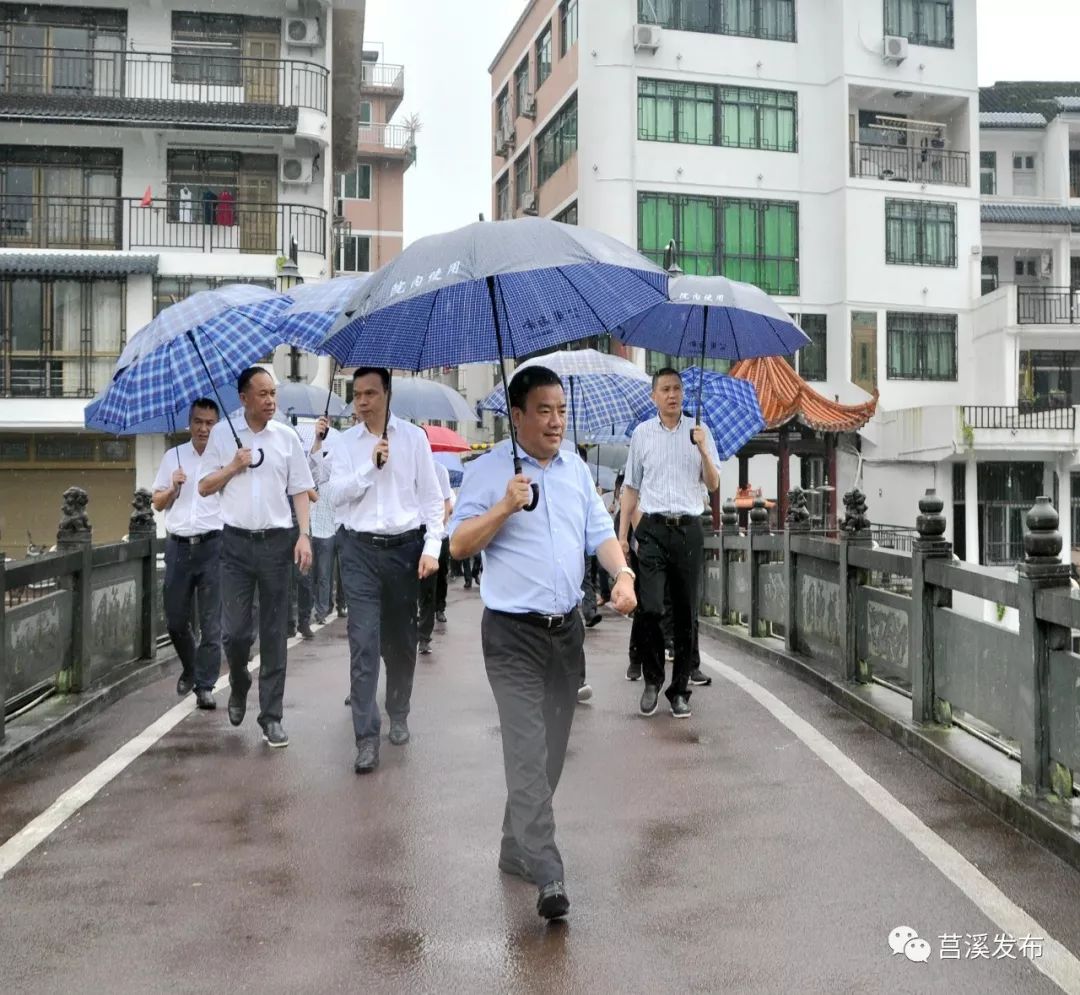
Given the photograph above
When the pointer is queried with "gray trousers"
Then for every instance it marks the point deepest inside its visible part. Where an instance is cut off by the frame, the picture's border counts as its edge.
(533, 674)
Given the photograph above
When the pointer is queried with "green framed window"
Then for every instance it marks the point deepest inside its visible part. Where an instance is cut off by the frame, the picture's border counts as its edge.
(568, 26)
(988, 172)
(752, 240)
(920, 346)
(811, 361)
(543, 56)
(557, 142)
(920, 233)
(676, 112)
(922, 22)
(752, 118)
(773, 20)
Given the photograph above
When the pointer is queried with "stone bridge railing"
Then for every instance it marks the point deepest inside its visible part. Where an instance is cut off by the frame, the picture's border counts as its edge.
(83, 616)
(863, 614)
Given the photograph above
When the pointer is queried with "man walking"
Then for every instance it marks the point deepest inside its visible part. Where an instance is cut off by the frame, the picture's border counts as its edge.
(386, 495)
(671, 465)
(260, 541)
(192, 557)
(432, 607)
(532, 631)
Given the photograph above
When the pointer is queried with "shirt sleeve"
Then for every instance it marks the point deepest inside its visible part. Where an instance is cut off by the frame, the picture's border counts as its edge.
(428, 489)
(319, 465)
(163, 480)
(634, 467)
(300, 478)
(710, 445)
(444, 480)
(213, 457)
(474, 497)
(598, 525)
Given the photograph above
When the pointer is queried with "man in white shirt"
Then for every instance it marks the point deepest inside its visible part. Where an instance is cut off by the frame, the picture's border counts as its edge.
(386, 495)
(192, 557)
(432, 607)
(260, 542)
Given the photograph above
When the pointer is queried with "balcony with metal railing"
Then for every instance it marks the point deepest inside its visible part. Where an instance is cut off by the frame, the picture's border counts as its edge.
(1047, 306)
(55, 222)
(1019, 417)
(390, 141)
(906, 164)
(177, 88)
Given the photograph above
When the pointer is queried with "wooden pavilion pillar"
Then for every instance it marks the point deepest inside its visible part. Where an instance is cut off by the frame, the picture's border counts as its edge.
(783, 476)
(744, 481)
(830, 469)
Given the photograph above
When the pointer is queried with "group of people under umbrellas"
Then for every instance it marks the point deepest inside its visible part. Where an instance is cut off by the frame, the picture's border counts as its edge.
(529, 508)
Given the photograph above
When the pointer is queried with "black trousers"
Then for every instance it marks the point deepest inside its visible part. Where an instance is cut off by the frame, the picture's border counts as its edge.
(669, 564)
(433, 594)
(381, 586)
(533, 674)
(470, 569)
(301, 597)
(264, 565)
(193, 572)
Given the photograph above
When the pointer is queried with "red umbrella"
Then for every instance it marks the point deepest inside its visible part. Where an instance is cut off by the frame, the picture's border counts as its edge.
(445, 440)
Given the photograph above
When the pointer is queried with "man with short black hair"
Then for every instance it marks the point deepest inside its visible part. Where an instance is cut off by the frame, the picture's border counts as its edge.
(383, 487)
(671, 466)
(192, 557)
(260, 541)
(532, 631)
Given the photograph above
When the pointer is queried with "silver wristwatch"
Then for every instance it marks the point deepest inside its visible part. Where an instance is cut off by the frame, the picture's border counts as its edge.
(625, 570)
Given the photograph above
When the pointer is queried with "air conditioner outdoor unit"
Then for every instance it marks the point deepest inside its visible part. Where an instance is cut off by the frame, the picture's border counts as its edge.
(646, 37)
(895, 49)
(295, 169)
(528, 203)
(302, 31)
(528, 107)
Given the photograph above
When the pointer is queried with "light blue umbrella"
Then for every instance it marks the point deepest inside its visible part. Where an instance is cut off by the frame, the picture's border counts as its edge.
(418, 399)
(315, 307)
(492, 290)
(305, 400)
(175, 420)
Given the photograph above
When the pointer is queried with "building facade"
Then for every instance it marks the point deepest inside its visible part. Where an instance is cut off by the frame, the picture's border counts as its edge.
(148, 151)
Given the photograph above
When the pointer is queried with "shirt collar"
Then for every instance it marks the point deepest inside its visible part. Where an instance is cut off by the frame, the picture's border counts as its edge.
(671, 431)
(557, 458)
(391, 424)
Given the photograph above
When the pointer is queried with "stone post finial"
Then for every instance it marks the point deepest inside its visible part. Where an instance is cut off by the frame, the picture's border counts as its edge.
(855, 521)
(798, 515)
(74, 527)
(759, 515)
(141, 522)
(931, 522)
(729, 517)
(1042, 542)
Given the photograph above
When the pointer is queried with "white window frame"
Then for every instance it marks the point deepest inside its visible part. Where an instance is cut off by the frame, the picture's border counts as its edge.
(340, 261)
(371, 183)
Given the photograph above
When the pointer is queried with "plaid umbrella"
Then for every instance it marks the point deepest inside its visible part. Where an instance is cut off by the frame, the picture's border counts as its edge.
(315, 307)
(173, 421)
(730, 410)
(601, 390)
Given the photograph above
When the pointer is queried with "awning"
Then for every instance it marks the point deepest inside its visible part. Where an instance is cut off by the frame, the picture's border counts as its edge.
(75, 263)
(784, 395)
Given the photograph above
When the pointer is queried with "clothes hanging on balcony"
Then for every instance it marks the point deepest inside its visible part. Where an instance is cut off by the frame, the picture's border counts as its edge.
(226, 209)
(209, 199)
(184, 211)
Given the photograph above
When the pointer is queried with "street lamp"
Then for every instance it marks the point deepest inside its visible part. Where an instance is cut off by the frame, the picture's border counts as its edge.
(288, 278)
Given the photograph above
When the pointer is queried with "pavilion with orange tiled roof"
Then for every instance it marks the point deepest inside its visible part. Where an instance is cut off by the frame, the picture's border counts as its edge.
(786, 398)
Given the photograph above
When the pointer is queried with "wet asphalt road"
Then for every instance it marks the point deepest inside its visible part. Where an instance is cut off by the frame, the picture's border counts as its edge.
(713, 855)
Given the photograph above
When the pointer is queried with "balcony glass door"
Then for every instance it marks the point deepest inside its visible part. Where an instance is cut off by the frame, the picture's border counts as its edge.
(261, 68)
(258, 204)
(71, 59)
(17, 205)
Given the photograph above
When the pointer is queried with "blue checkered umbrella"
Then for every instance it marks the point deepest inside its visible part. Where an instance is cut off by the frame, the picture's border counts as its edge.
(729, 407)
(173, 421)
(601, 390)
(315, 307)
(491, 290)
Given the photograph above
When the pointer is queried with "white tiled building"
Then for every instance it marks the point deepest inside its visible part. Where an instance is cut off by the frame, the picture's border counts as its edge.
(148, 150)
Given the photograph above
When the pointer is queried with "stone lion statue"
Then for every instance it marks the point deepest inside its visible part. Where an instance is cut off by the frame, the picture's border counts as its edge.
(73, 518)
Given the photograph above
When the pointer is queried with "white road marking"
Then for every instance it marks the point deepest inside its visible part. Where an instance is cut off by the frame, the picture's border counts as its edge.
(43, 826)
(1056, 962)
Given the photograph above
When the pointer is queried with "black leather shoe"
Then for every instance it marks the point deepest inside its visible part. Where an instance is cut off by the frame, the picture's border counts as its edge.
(515, 865)
(423, 647)
(633, 672)
(440, 617)
(185, 684)
(399, 732)
(649, 699)
(553, 902)
(342, 611)
(700, 679)
(237, 707)
(680, 707)
(367, 756)
(305, 631)
(274, 735)
(204, 699)
(290, 631)
(595, 620)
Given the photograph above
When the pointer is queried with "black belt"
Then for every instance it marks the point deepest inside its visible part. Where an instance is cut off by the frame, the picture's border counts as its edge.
(676, 521)
(537, 619)
(386, 541)
(195, 540)
(256, 533)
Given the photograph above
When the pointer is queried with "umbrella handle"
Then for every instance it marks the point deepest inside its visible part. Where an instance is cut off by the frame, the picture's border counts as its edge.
(536, 499)
(379, 461)
(259, 461)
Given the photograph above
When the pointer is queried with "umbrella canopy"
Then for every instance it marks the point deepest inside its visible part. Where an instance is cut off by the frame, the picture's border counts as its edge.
(175, 420)
(601, 390)
(716, 317)
(604, 476)
(445, 440)
(731, 412)
(494, 289)
(315, 307)
(304, 400)
(452, 461)
(417, 399)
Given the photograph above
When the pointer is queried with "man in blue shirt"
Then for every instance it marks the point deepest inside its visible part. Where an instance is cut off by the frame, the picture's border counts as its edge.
(532, 632)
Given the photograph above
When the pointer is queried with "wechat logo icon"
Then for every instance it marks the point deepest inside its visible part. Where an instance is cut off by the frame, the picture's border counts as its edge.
(904, 940)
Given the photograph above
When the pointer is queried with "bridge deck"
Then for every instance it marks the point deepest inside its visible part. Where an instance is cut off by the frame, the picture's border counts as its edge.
(718, 854)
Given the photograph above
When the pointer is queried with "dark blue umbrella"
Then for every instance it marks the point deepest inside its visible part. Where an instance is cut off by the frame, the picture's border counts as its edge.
(492, 290)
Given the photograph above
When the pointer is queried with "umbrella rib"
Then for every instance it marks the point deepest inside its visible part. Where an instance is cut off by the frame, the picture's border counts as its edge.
(559, 270)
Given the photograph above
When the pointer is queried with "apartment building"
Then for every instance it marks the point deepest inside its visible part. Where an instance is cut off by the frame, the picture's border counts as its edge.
(822, 151)
(148, 151)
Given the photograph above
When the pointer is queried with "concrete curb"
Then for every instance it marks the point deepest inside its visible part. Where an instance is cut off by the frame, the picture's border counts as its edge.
(59, 715)
(977, 768)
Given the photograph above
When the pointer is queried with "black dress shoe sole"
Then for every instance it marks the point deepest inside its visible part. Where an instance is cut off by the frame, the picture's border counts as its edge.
(681, 715)
(554, 906)
(275, 745)
(237, 712)
(633, 677)
(516, 867)
(701, 682)
(207, 706)
(595, 620)
(358, 769)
